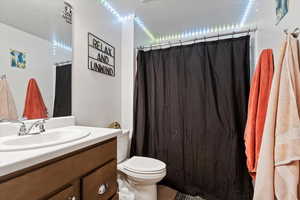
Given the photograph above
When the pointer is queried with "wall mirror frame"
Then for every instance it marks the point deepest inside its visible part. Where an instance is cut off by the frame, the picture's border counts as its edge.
(35, 59)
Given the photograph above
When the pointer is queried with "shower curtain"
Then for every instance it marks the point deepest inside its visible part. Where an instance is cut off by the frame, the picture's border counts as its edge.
(190, 110)
(63, 91)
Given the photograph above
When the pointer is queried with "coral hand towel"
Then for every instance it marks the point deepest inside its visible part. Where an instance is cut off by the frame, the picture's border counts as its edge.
(257, 108)
(8, 110)
(34, 104)
(278, 167)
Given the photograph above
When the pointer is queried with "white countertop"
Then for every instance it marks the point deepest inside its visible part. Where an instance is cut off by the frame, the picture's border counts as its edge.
(16, 160)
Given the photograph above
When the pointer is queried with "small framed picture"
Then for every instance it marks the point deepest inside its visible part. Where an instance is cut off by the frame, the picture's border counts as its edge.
(18, 59)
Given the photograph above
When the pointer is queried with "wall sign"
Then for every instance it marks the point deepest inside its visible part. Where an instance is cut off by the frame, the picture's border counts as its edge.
(101, 56)
(67, 13)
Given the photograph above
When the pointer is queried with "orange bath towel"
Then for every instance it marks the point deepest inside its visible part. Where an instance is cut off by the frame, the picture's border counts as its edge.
(34, 104)
(257, 108)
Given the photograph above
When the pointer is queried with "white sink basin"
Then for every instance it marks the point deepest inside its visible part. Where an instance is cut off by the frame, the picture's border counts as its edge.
(49, 138)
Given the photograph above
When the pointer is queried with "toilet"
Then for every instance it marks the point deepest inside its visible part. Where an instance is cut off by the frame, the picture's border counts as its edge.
(141, 173)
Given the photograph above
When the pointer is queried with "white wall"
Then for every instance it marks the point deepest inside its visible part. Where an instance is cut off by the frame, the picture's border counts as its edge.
(270, 35)
(96, 97)
(128, 72)
(39, 60)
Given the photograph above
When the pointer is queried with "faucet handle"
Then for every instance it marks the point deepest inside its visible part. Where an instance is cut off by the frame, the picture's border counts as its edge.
(42, 127)
(22, 130)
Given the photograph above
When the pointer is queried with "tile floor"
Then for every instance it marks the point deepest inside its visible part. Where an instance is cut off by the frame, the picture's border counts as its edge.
(166, 193)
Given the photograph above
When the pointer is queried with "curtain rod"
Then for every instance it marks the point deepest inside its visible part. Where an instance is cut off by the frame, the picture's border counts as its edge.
(63, 63)
(250, 30)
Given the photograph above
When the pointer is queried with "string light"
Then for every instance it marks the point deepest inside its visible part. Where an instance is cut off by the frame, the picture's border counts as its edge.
(56, 44)
(223, 28)
(202, 31)
(247, 12)
(109, 7)
(128, 17)
(144, 28)
(188, 34)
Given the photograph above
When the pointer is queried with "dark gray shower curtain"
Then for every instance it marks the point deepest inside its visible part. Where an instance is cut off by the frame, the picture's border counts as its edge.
(63, 91)
(190, 109)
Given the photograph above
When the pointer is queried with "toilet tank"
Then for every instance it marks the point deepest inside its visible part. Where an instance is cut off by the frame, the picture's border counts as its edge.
(123, 143)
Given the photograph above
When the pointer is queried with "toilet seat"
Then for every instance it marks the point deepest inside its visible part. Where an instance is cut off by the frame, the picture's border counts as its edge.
(142, 175)
(144, 165)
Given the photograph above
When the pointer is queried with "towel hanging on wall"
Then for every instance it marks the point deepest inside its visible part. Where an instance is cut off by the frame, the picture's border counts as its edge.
(278, 167)
(8, 110)
(257, 108)
(34, 104)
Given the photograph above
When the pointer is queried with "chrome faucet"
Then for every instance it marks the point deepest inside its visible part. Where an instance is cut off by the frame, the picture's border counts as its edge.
(40, 124)
(24, 131)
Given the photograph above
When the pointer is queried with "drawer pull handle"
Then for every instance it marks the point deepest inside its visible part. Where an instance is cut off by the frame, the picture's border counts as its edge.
(102, 189)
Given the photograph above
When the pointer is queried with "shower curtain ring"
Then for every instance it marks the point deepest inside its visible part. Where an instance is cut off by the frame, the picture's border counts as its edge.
(233, 32)
(296, 32)
(180, 42)
(195, 40)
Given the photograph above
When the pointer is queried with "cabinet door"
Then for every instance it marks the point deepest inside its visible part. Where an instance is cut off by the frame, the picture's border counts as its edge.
(66, 194)
(101, 184)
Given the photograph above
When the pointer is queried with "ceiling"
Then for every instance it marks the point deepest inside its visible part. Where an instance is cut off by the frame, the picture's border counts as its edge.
(38, 17)
(164, 17)
(161, 17)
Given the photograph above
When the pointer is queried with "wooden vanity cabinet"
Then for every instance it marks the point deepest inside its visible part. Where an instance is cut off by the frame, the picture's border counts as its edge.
(101, 184)
(67, 193)
(87, 174)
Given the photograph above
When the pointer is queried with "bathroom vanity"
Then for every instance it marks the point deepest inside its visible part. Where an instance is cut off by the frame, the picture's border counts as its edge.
(84, 169)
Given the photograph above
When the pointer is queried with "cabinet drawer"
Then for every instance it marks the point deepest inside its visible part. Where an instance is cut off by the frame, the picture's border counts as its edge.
(104, 178)
(66, 194)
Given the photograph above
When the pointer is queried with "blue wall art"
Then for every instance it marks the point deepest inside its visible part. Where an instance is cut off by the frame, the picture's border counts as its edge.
(18, 59)
(281, 10)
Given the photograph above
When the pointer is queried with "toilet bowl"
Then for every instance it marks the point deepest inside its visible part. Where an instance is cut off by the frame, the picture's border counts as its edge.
(142, 173)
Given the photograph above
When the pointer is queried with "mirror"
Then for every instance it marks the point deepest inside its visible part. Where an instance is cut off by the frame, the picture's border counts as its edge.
(35, 59)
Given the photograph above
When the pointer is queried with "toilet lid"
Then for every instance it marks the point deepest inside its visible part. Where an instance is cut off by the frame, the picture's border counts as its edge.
(144, 165)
